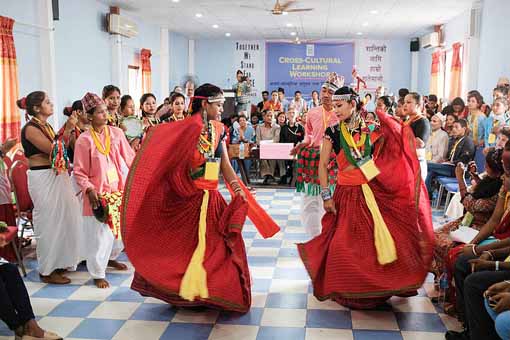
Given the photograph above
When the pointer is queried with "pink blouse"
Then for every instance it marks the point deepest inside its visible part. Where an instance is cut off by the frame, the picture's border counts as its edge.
(317, 120)
(92, 168)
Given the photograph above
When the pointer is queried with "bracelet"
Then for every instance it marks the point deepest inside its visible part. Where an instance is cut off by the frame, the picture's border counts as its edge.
(490, 254)
(497, 266)
(233, 181)
(473, 250)
(326, 194)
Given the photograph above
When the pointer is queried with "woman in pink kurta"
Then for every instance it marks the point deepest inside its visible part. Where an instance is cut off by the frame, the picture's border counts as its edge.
(99, 155)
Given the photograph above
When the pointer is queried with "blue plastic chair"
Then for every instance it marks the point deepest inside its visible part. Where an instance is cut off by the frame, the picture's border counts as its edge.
(451, 186)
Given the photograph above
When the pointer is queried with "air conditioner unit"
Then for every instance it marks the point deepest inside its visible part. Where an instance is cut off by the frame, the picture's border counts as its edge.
(121, 25)
(430, 40)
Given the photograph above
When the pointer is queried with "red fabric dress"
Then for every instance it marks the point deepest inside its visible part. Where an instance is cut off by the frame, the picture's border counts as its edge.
(342, 260)
(160, 220)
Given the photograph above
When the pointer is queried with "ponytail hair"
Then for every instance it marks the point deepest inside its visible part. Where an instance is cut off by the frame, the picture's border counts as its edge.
(30, 102)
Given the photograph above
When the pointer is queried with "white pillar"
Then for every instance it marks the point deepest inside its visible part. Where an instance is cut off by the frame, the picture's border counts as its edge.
(164, 62)
(48, 68)
(116, 45)
(191, 57)
(473, 46)
(415, 62)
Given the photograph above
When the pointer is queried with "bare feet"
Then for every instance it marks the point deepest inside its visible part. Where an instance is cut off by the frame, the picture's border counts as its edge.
(101, 283)
(117, 265)
(55, 278)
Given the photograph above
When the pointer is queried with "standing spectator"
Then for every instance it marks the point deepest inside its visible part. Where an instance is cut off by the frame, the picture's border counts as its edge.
(498, 118)
(314, 102)
(402, 93)
(189, 93)
(242, 93)
(290, 133)
(500, 92)
(298, 103)
(432, 104)
(451, 118)
(265, 98)
(459, 107)
(283, 100)
(267, 131)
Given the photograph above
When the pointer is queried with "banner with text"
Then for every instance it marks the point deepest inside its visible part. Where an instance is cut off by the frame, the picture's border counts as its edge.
(249, 58)
(374, 63)
(304, 67)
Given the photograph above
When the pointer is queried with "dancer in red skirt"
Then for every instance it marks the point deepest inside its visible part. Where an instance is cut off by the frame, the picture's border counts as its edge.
(377, 237)
(181, 236)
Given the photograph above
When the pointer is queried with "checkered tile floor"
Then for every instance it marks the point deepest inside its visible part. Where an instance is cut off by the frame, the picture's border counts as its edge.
(283, 307)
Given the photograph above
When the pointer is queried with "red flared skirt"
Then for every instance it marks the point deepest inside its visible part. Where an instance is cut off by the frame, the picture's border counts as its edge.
(342, 260)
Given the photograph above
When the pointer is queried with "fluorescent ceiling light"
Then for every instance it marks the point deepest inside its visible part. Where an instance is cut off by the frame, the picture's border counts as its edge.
(365, 24)
(215, 26)
(293, 33)
(359, 33)
(289, 24)
(199, 15)
(227, 34)
(374, 11)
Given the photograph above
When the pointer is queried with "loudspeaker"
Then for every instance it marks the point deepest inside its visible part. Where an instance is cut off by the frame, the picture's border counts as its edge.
(54, 7)
(415, 45)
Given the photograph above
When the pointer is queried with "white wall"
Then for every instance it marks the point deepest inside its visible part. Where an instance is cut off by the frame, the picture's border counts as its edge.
(83, 53)
(494, 47)
(178, 59)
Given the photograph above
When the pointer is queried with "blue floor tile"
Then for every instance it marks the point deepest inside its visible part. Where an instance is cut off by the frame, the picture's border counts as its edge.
(56, 291)
(379, 335)
(178, 331)
(154, 312)
(125, 294)
(253, 317)
(293, 223)
(295, 301)
(420, 322)
(101, 329)
(280, 217)
(268, 243)
(123, 257)
(33, 276)
(288, 252)
(318, 318)
(262, 261)
(291, 274)
(281, 333)
(249, 234)
(4, 330)
(74, 309)
(261, 285)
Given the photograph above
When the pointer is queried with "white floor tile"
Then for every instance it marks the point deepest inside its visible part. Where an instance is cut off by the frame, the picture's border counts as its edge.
(61, 326)
(258, 299)
(416, 304)
(43, 307)
(289, 318)
(114, 310)
(374, 320)
(452, 324)
(289, 262)
(262, 272)
(422, 336)
(234, 332)
(261, 251)
(289, 286)
(33, 287)
(92, 293)
(137, 330)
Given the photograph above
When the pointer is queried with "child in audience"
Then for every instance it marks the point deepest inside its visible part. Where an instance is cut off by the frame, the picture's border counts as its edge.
(497, 119)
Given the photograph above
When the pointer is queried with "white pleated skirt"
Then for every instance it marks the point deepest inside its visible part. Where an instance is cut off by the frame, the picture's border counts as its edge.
(58, 223)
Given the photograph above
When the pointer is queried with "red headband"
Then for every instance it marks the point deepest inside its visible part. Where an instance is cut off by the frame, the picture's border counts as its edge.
(23, 103)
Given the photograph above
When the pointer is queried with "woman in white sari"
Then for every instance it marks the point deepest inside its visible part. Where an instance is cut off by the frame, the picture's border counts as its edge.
(56, 214)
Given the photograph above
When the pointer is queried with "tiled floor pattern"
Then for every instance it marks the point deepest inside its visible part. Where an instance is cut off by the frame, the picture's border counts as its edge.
(283, 306)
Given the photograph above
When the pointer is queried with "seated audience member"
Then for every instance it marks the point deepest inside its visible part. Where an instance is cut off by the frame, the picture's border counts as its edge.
(500, 92)
(6, 208)
(460, 149)
(369, 104)
(432, 104)
(402, 93)
(302, 120)
(281, 120)
(437, 145)
(282, 99)
(497, 304)
(242, 133)
(299, 103)
(314, 102)
(451, 118)
(290, 133)
(267, 131)
(479, 275)
(479, 203)
(459, 107)
(496, 120)
(16, 310)
(265, 98)
(273, 104)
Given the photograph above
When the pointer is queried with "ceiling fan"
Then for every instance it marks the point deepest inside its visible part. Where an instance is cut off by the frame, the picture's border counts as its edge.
(282, 8)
